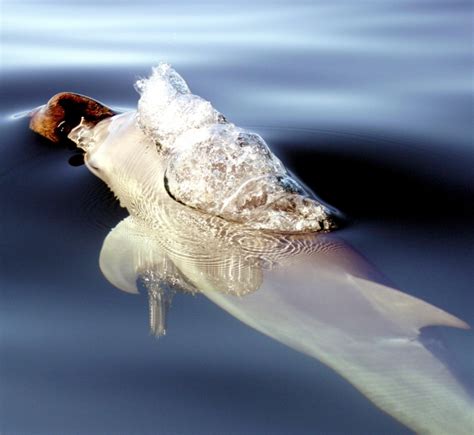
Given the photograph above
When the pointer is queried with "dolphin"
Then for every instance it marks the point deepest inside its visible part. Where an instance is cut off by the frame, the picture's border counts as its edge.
(261, 245)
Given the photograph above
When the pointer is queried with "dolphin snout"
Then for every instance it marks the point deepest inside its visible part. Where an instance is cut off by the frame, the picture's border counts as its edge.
(63, 112)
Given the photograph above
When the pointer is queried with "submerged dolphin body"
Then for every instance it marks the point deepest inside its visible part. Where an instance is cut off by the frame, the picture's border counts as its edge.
(307, 290)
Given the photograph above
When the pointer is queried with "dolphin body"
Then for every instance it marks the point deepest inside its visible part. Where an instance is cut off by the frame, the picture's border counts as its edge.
(299, 285)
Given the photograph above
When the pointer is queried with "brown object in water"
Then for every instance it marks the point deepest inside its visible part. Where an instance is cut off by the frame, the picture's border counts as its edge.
(63, 112)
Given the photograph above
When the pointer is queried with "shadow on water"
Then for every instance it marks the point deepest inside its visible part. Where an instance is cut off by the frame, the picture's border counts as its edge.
(366, 181)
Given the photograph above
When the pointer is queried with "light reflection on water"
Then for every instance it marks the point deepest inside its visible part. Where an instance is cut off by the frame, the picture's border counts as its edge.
(384, 65)
(75, 354)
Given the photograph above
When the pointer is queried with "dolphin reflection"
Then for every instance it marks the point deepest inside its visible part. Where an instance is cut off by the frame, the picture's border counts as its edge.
(311, 292)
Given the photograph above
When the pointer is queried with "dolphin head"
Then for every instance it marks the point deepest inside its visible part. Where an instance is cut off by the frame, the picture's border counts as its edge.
(119, 153)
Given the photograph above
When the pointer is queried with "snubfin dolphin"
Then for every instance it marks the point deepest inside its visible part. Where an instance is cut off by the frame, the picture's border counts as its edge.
(212, 210)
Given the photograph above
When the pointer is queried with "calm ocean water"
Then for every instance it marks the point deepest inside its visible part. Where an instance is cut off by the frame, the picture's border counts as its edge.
(370, 103)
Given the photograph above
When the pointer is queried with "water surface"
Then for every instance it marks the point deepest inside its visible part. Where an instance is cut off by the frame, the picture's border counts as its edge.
(369, 103)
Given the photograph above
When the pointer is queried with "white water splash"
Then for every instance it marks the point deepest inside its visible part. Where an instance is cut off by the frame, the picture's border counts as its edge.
(218, 168)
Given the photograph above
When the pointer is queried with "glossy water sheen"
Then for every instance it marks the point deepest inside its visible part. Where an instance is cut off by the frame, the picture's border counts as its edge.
(368, 102)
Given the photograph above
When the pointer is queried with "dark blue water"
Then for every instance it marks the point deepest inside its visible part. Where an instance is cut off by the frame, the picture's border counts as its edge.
(370, 103)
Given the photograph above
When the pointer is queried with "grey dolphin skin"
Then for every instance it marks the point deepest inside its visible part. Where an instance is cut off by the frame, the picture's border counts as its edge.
(261, 246)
